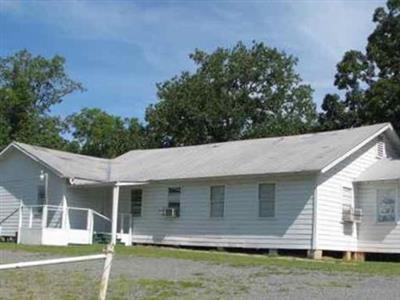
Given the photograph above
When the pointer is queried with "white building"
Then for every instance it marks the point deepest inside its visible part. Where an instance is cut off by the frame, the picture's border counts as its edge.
(336, 191)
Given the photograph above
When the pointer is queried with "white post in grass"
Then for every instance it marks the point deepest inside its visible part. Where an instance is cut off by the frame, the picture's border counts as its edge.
(109, 251)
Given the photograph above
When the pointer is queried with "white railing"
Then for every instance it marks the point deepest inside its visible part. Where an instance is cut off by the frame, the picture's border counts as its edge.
(52, 216)
(75, 219)
(101, 223)
(125, 223)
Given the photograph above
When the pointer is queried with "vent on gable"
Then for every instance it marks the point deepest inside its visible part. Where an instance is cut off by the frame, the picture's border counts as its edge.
(381, 147)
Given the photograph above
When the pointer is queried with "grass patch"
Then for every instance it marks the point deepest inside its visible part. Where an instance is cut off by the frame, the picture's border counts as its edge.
(161, 288)
(332, 284)
(39, 284)
(72, 285)
(214, 257)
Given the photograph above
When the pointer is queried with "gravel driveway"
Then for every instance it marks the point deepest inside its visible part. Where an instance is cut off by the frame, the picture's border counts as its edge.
(152, 278)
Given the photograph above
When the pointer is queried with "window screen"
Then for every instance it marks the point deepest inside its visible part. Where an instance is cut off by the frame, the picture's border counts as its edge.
(174, 199)
(386, 205)
(266, 197)
(136, 203)
(217, 199)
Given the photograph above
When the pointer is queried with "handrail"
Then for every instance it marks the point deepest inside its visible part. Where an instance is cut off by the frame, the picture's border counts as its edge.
(37, 206)
(78, 208)
(52, 207)
(101, 216)
(9, 216)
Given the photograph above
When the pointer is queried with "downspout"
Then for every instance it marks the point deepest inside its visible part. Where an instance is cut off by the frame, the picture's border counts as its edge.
(314, 243)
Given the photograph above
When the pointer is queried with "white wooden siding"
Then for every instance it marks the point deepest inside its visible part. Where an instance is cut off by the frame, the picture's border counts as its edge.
(373, 236)
(19, 178)
(241, 226)
(332, 233)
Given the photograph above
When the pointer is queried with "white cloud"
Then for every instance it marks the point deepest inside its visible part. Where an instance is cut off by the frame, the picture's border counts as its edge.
(334, 27)
(318, 32)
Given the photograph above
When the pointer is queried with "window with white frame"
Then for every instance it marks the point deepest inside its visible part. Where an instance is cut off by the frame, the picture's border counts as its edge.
(266, 200)
(136, 202)
(217, 201)
(174, 199)
(386, 205)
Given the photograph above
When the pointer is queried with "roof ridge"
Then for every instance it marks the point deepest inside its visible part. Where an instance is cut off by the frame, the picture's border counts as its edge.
(255, 139)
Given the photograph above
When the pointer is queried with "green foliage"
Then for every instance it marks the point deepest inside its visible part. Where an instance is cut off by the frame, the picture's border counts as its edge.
(99, 134)
(370, 80)
(235, 93)
(29, 86)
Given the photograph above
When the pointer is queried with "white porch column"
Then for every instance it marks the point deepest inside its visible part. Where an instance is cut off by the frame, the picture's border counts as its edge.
(21, 207)
(64, 216)
(44, 216)
(114, 219)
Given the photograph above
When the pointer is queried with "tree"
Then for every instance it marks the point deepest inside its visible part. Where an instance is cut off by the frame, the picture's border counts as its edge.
(370, 80)
(99, 134)
(235, 93)
(29, 86)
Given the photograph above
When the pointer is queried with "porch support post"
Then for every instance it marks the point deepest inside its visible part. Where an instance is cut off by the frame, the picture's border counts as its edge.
(64, 217)
(114, 219)
(30, 216)
(44, 216)
(21, 207)
(90, 225)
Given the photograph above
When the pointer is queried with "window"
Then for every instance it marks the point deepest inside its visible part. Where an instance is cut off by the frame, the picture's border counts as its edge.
(347, 195)
(174, 199)
(136, 203)
(217, 199)
(41, 195)
(266, 200)
(386, 205)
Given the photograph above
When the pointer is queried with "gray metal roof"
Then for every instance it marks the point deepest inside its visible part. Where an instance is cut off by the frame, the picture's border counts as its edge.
(290, 154)
(384, 169)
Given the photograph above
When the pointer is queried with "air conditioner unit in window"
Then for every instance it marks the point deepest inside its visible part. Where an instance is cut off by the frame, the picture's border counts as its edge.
(351, 215)
(169, 212)
(357, 215)
(347, 214)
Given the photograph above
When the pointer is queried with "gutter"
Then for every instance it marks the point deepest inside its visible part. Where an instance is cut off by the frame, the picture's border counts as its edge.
(93, 183)
(314, 234)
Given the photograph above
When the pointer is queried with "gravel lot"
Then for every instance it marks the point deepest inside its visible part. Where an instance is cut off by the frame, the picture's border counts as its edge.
(153, 278)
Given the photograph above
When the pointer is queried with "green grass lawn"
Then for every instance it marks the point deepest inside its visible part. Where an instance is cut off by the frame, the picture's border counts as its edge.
(232, 259)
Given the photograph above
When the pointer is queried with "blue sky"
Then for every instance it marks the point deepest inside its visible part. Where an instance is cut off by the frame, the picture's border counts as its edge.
(119, 50)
